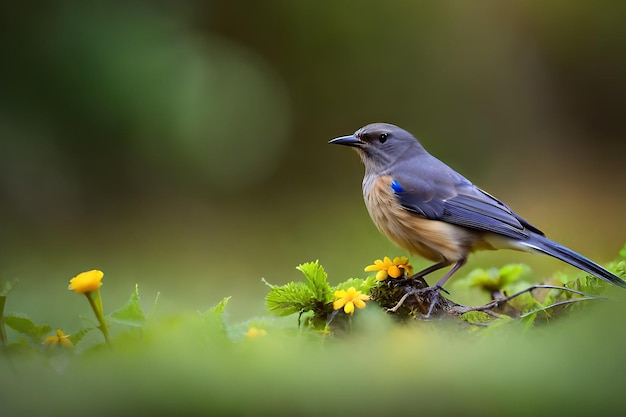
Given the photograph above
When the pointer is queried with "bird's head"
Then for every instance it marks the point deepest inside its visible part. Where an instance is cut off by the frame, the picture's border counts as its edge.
(380, 145)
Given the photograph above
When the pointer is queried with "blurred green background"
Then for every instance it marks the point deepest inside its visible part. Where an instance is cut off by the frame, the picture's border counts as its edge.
(182, 145)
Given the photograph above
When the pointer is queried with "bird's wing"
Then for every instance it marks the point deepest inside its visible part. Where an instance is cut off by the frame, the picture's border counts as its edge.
(464, 205)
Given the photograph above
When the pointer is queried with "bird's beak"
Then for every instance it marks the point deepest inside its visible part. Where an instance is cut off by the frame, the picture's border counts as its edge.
(349, 140)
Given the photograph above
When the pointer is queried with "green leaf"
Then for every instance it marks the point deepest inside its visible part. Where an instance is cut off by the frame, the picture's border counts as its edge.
(78, 336)
(477, 317)
(525, 301)
(512, 273)
(317, 281)
(483, 278)
(214, 317)
(6, 287)
(219, 308)
(551, 296)
(502, 321)
(587, 284)
(622, 251)
(620, 269)
(131, 313)
(291, 298)
(363, 285)
(25, 326)
(494, 279)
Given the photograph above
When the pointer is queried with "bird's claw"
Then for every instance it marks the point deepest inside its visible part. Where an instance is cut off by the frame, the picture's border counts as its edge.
(433, 297)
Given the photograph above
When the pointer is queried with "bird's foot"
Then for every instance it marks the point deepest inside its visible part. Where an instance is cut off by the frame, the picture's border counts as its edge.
(433, 298)
(430, 295)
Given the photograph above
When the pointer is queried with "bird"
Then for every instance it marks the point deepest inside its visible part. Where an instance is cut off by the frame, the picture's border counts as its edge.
(427, 208)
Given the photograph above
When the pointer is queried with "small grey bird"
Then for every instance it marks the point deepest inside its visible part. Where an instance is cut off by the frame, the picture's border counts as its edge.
(429, 209)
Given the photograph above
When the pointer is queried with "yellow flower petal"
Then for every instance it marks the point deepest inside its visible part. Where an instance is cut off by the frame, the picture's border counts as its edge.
(255, 332)
(394, 271)
(381, 275)
(348, 299)
(60, 338)
(86, 281)
(66, 343)
(340, 293)
(340, 302)
(387, 268)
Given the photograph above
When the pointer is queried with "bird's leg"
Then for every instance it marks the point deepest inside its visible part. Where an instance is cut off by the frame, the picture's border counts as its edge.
(451, 272)
(430, 269)
(433, 268)
(432, 291)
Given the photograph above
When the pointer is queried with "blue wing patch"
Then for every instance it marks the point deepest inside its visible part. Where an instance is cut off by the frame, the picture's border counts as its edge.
(396, 187)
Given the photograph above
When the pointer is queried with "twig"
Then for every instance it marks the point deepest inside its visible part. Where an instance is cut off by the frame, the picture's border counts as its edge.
(562, 302)
(459, 309)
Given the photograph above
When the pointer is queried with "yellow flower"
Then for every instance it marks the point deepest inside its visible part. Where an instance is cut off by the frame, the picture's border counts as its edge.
(255, 332)
(86, 281)
(60, 339)
(388, 268)
(349, 299)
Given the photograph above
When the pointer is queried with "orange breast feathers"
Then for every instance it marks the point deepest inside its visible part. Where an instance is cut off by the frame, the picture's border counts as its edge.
(432, 239)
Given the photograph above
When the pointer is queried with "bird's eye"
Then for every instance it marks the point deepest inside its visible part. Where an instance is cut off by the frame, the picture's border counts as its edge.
(382, 138)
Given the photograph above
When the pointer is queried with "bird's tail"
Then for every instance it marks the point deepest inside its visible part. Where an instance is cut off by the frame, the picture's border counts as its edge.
(547, 246)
